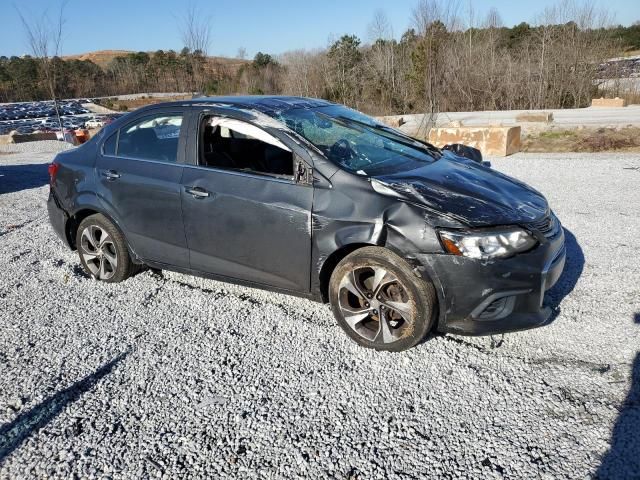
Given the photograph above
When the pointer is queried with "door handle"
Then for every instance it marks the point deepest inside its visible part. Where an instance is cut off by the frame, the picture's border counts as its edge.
(111, 174)
(197, 192)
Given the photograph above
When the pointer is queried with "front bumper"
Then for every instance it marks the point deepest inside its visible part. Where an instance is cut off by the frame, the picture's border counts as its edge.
(497, 296)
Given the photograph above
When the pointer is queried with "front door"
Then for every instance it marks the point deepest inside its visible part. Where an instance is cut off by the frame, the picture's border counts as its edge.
(138, 175)
(245, 217)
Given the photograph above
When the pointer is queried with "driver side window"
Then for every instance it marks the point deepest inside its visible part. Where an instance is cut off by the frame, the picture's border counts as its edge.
(230, 144)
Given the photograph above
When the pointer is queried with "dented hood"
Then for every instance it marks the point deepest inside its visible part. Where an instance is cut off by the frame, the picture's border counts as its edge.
(470, 192)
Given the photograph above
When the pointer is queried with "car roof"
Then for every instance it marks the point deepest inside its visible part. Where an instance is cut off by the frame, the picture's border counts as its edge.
(268, 104)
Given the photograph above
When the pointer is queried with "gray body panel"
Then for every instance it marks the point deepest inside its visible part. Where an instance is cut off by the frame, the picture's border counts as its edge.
(249, 227)
(146, 201)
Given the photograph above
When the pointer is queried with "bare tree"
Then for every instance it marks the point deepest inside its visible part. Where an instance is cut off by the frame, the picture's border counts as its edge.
(380, 27)
(381, 61)
(195, 29)
(493, 19)
(304, 72)
(570, 42)
(434, 21)
(242, 53)
(44, 35)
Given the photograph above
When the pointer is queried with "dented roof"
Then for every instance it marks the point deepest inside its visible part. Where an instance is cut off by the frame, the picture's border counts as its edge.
(263, 103)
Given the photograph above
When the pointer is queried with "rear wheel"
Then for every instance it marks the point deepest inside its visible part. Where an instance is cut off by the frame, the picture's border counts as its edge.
(379, 301)
(103, 250)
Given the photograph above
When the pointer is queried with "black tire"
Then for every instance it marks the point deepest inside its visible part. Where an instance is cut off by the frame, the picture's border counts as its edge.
(110, 253)
(393, 314)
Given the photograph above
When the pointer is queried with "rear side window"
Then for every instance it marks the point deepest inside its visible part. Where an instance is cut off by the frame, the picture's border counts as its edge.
(151, 138)
(109, 147)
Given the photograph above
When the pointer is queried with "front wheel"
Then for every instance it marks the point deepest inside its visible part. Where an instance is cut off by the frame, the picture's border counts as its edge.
(380, 302)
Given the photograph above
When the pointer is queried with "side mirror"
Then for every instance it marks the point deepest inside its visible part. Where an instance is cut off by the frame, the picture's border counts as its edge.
(302, 174)
(465, 151)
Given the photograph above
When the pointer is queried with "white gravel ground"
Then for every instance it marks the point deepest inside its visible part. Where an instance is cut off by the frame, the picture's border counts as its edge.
(46, 146)
(175, 376)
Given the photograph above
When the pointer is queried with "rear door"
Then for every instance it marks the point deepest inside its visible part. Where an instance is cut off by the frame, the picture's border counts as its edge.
(242, 220)
(138, 173)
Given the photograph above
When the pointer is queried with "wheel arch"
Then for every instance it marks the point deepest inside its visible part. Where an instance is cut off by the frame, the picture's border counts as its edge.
(332, 261)
(73, 222)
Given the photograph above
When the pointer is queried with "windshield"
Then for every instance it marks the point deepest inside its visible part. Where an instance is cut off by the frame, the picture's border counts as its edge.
(356, 142)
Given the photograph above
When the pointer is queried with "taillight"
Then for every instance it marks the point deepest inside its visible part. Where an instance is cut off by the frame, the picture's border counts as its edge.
(53, 171)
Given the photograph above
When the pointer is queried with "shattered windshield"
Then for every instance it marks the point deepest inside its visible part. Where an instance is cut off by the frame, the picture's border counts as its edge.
(356, 142)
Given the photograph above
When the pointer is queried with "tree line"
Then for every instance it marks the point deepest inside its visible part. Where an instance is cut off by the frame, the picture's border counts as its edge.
(444, 62)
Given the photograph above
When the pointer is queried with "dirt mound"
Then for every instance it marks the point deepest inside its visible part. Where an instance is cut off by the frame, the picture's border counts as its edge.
(104, 57)
(99, 57)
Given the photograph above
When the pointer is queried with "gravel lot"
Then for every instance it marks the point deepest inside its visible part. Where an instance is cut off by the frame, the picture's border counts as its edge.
(170, 375)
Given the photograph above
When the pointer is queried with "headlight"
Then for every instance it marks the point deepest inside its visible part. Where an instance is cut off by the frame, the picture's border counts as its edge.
(485, 245)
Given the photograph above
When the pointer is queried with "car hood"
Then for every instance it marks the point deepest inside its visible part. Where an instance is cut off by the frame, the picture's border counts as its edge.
(469, 192)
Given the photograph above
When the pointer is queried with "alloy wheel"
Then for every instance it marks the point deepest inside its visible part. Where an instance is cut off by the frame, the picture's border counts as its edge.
(98, 251)
(375, 304)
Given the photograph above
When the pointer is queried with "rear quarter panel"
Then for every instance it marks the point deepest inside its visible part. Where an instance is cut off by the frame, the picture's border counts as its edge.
(75, 180)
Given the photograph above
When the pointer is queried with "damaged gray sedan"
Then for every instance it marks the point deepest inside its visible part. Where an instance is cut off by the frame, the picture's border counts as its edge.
(314, 199)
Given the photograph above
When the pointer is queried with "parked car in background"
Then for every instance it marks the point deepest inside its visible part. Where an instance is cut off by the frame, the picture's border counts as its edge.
(314, 199)
(51, 124)
(32, 117)
(94, 123)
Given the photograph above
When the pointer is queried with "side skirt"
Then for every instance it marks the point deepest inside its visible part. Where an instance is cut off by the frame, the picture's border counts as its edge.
(234, 281)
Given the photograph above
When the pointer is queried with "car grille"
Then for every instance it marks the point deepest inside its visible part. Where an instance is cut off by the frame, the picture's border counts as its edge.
(549, 226)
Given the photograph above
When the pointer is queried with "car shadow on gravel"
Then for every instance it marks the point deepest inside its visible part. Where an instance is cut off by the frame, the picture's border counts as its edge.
(573, 267)
(14, 178)
(622, 461)
(14, 433)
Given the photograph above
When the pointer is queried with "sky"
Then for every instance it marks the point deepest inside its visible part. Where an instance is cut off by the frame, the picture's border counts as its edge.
(270, 26)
